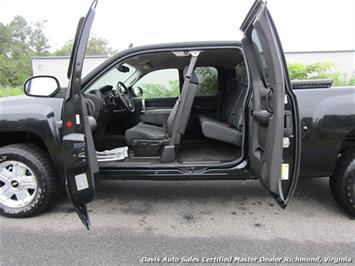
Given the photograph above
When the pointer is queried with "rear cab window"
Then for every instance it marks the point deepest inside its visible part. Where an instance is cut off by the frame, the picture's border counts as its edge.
(207, 81)
(241, 74)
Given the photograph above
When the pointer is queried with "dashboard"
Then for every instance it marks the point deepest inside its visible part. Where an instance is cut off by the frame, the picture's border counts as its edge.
(104, 100)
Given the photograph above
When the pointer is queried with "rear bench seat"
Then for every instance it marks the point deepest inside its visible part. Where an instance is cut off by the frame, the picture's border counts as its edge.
(229, 127)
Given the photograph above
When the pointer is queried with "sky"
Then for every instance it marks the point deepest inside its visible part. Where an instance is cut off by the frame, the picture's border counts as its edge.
(303, 25)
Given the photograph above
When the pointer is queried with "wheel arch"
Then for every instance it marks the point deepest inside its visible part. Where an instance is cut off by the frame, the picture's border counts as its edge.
(7, 138)
(348, 142)
(17, 137)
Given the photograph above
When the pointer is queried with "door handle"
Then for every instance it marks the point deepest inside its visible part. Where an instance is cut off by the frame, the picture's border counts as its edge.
(262, 117)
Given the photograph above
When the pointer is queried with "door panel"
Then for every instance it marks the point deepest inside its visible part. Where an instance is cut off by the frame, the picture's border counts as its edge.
(154, 110)
(275, 163)
(155, 116)
(79, 153)
(160, 103)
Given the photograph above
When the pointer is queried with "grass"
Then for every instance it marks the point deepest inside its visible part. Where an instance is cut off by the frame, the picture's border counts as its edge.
(8, 91)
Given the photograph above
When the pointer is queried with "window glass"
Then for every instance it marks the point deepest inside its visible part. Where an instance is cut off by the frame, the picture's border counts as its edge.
(260, 56)
(160, 83)
(207, 81)
(113, 76)
(241, 74)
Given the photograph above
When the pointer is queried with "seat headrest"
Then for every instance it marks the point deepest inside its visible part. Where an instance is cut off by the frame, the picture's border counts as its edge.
(194, 78)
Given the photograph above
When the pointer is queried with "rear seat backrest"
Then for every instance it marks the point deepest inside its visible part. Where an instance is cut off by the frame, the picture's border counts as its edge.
(228, 100)
(228, 129)
(238, 116)
(231, 103)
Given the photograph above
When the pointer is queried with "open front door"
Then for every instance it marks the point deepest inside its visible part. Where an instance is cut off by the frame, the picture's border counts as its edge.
(78, 147)
(274, 131)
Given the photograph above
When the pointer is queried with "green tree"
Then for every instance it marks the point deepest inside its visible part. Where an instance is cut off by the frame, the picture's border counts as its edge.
(65, 50)
(241, 74)
(19, 29)
(38, 41)
(15, 52)
(13, 72)
(20, 33)
(96, 46)
(18, 43)
(320, 70)
(155, 90)
(208, 82)
(5, 39)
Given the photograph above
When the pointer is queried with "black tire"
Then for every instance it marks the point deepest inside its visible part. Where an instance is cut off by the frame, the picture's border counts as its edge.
(342, 182)
(37, 160)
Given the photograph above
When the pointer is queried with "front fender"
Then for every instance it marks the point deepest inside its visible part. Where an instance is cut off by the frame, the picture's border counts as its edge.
(38, 116)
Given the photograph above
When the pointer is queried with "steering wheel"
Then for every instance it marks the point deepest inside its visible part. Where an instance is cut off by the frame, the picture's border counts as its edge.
(125, 97)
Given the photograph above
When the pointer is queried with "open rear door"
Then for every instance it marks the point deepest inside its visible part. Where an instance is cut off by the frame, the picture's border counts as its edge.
(274, 131)
(79, 153)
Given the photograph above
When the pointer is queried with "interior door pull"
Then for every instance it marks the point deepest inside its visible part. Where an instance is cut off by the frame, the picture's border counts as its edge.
(143, 105)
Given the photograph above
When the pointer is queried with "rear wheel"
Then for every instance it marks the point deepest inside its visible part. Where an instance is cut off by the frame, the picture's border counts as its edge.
(27, 180)
(342, 182)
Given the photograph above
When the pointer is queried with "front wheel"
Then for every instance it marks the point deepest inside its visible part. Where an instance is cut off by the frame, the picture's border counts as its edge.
(342, 182)
(27, 181)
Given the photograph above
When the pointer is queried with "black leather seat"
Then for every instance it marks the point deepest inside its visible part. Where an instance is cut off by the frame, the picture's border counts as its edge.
(229, 127)
(149, 138)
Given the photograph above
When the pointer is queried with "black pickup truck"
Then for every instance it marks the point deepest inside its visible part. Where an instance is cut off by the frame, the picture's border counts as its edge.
(182, 111)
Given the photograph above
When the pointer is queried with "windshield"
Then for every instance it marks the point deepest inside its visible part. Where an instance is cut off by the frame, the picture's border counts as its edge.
(121, 73)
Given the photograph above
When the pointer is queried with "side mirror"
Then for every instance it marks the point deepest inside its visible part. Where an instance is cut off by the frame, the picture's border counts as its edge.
(138, 92)
(41, 86)
(123, 69)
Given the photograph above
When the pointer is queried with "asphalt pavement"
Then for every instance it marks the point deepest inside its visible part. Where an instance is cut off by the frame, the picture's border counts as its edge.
(185, 223)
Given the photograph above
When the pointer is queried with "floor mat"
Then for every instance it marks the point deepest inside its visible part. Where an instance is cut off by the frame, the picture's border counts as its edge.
(110, 141)
(207, 150)
(117, 154)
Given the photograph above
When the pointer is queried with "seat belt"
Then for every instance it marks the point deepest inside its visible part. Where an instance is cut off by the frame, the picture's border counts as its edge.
(236, 119)
(187, 79)
(236, 104)
(220, 93)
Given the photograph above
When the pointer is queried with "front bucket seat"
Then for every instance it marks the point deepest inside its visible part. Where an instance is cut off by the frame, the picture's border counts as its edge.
(147, 139)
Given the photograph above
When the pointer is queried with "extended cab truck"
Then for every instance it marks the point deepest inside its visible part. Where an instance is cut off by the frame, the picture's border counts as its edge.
(230, 113)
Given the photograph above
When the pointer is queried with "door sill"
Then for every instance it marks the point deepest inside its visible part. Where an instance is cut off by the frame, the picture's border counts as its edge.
(156, 164)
